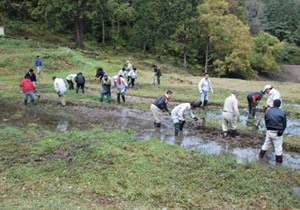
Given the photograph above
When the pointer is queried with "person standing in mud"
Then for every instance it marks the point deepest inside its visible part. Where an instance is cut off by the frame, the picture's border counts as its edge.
(32, 77)
(60, 88)
(275, 120)
(27, 88)
(230, 111)
(272, 95)
(121, 85)
(204, 86)
(38, 64)
(106, 88)
(253, 99)
(80, 81)
(71, 81)
(157, 74)
(179, 112)
(133, 76)
(160, 104)
(100, 73)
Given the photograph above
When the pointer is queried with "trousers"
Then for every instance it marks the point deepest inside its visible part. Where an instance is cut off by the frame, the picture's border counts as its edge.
(272, 138)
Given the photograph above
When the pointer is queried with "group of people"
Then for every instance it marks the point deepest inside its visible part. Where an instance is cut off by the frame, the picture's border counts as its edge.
(275, 118)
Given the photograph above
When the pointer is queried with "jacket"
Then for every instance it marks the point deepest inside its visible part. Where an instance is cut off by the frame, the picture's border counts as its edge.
(123, 73)
(37, 63)
(204, 85)
(180, 111)
(71, 77)
(106, 86)
(273, 95)
(275, 119)
(129, 67)
(132, 74)
(27, 85)
(99, 73)
(32, 76)
(121, 84)
(79, 79)
(161, 102)
(255, 96)
(60, 86)
(231, 105)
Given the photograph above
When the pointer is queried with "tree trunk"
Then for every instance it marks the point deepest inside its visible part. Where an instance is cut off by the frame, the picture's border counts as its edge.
(78, 32)
(153, 45)
(184, 50)
(103, 30)
(144, 47)
(206, 58)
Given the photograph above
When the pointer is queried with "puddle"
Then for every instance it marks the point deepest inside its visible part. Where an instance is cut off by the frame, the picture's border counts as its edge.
(290, 104)
(205, 142)
(296, 191)
(293, 125)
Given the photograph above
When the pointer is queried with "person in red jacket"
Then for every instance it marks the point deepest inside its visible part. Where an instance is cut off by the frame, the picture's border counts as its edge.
(27, 88)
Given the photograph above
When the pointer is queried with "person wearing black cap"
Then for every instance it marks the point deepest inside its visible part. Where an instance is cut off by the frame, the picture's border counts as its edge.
(179, 112)
(99, 73)
(275, 120)
(80, 81)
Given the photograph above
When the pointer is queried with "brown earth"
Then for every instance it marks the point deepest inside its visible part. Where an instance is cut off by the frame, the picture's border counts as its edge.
(288, 73)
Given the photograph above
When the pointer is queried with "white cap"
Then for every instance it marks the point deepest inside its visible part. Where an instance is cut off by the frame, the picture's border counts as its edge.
(127, 61)
(267, 87)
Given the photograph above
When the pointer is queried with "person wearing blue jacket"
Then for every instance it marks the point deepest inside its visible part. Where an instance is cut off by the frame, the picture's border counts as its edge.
(275, 120)
(38, 64)
(80, 81)
(253, 99)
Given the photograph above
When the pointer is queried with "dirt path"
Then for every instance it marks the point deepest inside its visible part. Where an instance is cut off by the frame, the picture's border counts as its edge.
(288, 73)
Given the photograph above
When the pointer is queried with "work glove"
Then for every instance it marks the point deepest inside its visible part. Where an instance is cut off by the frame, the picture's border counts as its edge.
(266, 107)
(58, 92)
(280, 133)
(195, 118)
(126, 88)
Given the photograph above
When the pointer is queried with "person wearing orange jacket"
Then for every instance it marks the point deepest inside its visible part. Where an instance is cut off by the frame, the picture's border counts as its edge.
(253, 99)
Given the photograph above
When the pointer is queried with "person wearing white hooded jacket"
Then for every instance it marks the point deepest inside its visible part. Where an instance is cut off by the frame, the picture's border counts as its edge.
(60, 88)
(121, 85)
(179, 112)
(273, 94)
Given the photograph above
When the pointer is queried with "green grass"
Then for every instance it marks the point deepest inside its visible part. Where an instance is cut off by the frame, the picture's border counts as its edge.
(112, 170)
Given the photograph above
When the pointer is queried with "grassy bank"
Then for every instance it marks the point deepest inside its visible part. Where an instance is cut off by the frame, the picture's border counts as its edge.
(45, 169)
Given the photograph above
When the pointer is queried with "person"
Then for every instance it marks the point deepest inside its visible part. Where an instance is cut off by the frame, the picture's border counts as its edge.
(133, 76)
(204, 86)
(106, 88)
(160, 104)
(121, 85)
(230, 111)
(27, 88)
(275, 120)
(179, 112)
(60, 87)
(71, 80)
(31, 76)
(80, 81)
(129, 69)
(100, 73)
(157, 74)
(123, 73)
(38, 64)
(273, 94)
(253, 100)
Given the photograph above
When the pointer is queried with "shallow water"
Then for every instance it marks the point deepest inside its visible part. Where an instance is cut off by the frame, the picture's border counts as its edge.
(141, 122)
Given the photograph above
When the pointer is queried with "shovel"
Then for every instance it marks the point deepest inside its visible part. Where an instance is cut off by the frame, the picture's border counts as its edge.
(259, 120)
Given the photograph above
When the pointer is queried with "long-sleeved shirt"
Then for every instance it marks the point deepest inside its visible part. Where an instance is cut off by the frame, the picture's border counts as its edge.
(161, 102)
(71, 77)
(180, 111)
(132, 74)
(231, 105)
(129, 67)
(123, 73)
(255, 96)
(32, 76)
(273, 95)
(60, 86)
(38, 62)
(121, 84)
(204, 85)
(79, 79)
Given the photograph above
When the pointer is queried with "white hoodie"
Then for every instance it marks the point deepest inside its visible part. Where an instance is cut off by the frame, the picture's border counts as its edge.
(273, 95)
(60, 86)
(180, 111)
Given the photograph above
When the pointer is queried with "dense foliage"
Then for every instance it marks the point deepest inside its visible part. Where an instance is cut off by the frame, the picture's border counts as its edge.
(207, 35)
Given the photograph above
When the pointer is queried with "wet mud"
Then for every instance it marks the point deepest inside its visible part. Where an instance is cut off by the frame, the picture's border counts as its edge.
(195, 135)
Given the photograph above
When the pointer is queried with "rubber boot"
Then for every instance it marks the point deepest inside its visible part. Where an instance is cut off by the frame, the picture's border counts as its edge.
(123, 97)
(205, 103)
(118, 97)
(77, 90)
(101, 98)
(181, 126)
(109, 99)
(25, 102)
(225, 133)
(278, 158)
(82, 89)
(262, 153)
(157, 125)
(177, 127)
(234, 133)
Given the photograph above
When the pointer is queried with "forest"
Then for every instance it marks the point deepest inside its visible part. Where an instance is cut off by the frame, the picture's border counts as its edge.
(227, 38)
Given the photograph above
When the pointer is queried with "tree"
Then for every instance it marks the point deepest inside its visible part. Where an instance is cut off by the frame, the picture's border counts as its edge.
(226, 38)
(266, 51)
